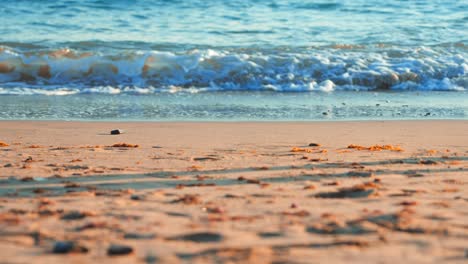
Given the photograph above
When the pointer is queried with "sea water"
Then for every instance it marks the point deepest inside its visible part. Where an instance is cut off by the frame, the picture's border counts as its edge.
(233, 60)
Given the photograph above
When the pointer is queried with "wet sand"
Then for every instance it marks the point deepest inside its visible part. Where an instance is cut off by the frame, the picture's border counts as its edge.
(392, 191)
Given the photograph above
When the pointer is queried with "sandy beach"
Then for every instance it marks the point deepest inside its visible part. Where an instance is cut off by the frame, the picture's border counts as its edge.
(253, 192)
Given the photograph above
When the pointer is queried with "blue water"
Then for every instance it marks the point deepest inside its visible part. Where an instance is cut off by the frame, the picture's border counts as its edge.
(236, 23)
(89, 52)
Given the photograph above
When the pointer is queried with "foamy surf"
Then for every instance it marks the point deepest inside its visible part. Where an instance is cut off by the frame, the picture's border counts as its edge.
(286, 69)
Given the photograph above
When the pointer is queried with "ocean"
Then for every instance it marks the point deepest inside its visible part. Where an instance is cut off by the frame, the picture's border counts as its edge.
(233, 60)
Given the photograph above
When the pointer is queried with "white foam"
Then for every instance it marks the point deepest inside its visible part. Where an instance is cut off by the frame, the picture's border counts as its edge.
(326, 70)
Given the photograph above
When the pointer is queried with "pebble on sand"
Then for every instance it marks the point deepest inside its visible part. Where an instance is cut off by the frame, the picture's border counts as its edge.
(116, 132)
(64, 247)
(76, 215)
(201, 237)
(119, 250)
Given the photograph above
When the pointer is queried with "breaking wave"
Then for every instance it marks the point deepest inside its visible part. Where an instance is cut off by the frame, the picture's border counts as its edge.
(339, 67)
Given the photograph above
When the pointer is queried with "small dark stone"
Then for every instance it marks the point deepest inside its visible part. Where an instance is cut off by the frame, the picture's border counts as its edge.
(119, 250)
(203, 237)
(324, 113)
(253, 181)
(27, 179)
(136, 197)
(314, 145)
(39, 191)
(269, 234)
(205, 158)
(427, 114)
(64, 247)
(346, 194)
(73, 215)
(360, 174)
(8, 165)
(116, 132)
(415, 175)
(139, 236)
(71, 185)
(428, 162)
(233, 196)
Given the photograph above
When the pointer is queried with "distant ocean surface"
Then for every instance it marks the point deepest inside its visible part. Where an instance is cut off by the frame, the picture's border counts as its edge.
(233, 60)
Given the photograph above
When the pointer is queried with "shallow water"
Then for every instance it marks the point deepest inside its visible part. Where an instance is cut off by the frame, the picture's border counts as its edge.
(238, 106)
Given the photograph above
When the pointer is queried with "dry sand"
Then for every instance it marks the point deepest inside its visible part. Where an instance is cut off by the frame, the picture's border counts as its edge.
(234, 192)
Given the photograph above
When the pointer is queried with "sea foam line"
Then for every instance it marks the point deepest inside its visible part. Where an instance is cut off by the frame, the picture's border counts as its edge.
(66, 71)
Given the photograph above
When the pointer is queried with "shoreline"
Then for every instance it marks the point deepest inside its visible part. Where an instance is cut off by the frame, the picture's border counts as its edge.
(230, 121)
(244, 192)
(239, 107)
(239, 122)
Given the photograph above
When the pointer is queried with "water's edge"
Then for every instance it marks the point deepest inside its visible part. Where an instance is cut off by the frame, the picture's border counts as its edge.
(238, 106)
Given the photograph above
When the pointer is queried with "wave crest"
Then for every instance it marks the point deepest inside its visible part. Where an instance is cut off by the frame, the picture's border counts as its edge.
(302, 69)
